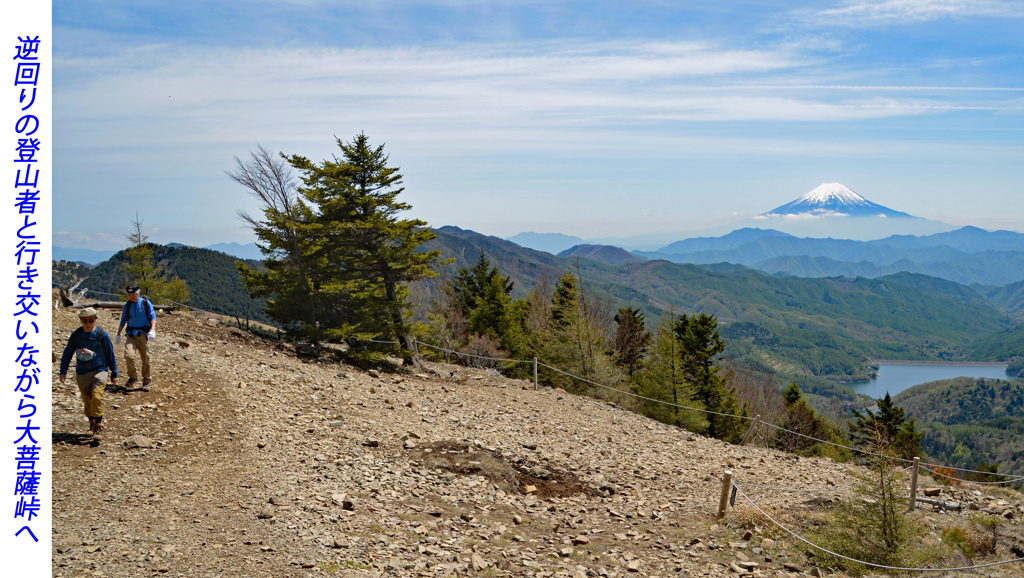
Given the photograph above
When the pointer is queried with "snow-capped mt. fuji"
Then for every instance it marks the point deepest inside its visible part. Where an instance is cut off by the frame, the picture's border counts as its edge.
(833, 200)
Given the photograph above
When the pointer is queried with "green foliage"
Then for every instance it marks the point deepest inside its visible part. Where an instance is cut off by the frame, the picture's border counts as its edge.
(887, 430)
(663, 380)
(871, 525)
(802, 419)
(700, 346)
(574, 337)
(484, 296)
(966, 421)
(66, 273)
(1000, 346)
(784, 323)
(1015, 367)
(211, 276)
(631, 340)
(141, 268)
(337, 256)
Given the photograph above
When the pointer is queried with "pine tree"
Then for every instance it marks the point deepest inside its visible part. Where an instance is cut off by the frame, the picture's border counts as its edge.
(471, 283)
(631, 340)
(700, 346)
(887, 430)
(338, 243)
(802, 419)
(575, 336)
(663, 380)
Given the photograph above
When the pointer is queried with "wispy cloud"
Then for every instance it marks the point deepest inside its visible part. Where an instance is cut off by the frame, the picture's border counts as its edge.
(223, 93)
(899, 11)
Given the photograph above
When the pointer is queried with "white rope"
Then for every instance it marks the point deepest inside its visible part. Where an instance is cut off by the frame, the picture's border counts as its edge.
(964, 470)
(798, 489)
(837, 555)
(640, 396)
(954, 478)
(460, 354)
(835, 444)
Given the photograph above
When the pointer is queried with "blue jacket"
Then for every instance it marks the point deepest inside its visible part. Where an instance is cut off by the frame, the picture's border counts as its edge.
(138, 316)
(97, 341)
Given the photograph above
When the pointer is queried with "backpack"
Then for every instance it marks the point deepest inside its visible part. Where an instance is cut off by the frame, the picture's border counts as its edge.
(127, 311)
(96, 357)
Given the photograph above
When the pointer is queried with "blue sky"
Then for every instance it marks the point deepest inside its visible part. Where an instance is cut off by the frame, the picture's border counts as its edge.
(594, 119)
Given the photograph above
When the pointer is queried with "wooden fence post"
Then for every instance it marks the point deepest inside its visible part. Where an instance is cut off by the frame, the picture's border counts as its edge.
(723, 503)
(753, 425)
(913, 485)
(534, 373)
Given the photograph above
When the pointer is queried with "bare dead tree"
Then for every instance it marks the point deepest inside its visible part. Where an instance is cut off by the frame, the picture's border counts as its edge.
(268, 178)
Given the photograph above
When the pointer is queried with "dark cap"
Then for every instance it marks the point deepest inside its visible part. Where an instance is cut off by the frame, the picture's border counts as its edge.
(132, 289)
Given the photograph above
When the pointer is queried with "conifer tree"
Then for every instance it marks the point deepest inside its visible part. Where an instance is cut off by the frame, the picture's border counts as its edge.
(341, 243)
(802, 419)
(886, 430)
(471, 283)
(700, 346)
(575, 338)
(663, 380)
(631, 340)
(484, 296)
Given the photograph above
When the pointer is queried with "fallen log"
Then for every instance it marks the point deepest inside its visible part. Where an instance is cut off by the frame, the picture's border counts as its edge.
(941, 504)
(117, 305)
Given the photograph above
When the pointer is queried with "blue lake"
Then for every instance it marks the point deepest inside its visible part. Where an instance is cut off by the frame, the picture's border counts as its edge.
(894, 378)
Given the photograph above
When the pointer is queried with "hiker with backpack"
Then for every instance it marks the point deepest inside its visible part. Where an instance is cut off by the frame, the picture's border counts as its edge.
(94, 360)
(138, 320)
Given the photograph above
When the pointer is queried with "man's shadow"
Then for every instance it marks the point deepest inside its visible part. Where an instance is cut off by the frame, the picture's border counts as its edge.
(111, 388)
(73, 439)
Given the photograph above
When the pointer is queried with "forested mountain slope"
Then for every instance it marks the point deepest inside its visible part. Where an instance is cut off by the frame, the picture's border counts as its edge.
(826, 327)
(967, 421)
(213, 280)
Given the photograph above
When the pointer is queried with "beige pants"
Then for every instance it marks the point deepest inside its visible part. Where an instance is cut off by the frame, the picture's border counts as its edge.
(91, 386)
(137, 345)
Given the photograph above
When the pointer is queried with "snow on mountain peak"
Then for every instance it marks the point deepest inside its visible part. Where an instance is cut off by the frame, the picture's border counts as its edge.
(832, 200)
(826, 192)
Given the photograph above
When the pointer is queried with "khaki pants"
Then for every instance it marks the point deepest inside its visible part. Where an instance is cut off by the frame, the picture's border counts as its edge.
(91, 386)
(137, 345)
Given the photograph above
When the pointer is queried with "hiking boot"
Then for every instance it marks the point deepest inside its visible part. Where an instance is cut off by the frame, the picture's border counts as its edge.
(97, 432)
(145, 387)
(92, 427)
(131, 381)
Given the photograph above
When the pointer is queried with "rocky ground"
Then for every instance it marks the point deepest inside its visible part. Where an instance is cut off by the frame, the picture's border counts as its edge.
(245, 460)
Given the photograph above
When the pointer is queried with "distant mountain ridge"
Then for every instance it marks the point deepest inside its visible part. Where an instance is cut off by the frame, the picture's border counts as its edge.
(606, 254)
(970, 256)
(91, 257)
(553, 243)
(212, 277)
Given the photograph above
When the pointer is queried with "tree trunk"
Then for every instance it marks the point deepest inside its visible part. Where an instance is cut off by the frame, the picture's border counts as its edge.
(404, 339)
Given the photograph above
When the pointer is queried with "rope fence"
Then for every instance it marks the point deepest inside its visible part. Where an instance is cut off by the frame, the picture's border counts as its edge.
(594, 383)
(837, 488)
(1012, 480)
(756, 420)
(739, 489)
